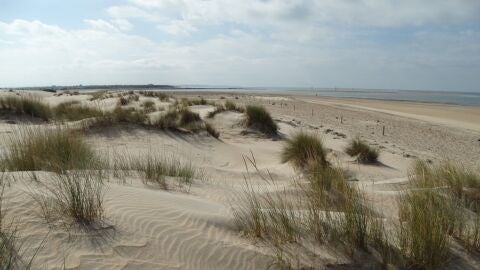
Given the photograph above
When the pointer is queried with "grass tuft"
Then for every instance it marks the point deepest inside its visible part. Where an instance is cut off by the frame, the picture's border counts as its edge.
(26, 106)
(74, 198)
(35, 149)
(73, 111)
(303, 149)
(362, 151)
(257, 117)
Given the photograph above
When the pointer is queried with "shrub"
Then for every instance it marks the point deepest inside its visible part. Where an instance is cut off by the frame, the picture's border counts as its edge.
(74, 198)
(304, 148)
(26, 106)
(257, 117)
(363, 152)
(35, 149)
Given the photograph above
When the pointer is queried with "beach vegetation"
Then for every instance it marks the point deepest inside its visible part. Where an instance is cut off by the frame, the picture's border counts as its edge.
(258, 118)
(363, 152)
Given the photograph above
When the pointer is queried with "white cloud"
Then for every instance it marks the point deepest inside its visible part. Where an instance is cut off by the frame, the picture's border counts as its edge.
(256, 42)
(178, 27)
(101, 25)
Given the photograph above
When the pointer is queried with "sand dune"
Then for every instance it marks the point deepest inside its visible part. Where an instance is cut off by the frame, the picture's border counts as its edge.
(193, 228)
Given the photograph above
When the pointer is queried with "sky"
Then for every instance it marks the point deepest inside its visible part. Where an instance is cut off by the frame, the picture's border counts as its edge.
(387, 44)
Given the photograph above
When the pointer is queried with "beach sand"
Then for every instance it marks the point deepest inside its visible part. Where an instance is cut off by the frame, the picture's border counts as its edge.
(194, 228)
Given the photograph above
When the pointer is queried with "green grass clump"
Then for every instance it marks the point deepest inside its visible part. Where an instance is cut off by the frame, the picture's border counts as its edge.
(73, 111)
(75, 198)
(257, 117)
(303, 149)
(218, 109)
(35, 149)
(364, 152)
(25, 106)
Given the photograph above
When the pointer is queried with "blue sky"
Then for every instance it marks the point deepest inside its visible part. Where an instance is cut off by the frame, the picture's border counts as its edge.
(410, 44)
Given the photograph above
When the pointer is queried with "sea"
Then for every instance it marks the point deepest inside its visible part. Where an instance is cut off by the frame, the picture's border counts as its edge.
(443, 97)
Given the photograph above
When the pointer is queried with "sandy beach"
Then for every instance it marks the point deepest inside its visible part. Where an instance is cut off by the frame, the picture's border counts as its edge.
(192, 227)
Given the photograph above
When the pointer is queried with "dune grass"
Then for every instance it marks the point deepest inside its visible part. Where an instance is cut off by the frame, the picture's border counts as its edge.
(303, 149)
(211, 130)
(325, 210)
(153, 170)
(423, 230)
(73, 111)
(257, 117)
(148, 106)
(27, 106)
(10, 244)
(50, 149)
(160, 95)
(75, 198)
(457, 189)
(363, 152)
(97, 95)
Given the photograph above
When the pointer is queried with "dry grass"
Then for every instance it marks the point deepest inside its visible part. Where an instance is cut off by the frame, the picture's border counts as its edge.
(363, 152)
(257, 117)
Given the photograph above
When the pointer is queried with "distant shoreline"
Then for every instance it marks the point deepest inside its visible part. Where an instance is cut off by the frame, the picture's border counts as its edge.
(470, 99)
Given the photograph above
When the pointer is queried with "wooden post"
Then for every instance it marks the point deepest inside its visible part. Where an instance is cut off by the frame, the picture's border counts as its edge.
(383, 130)
(293, 107)
(312, 112)
(341, 119)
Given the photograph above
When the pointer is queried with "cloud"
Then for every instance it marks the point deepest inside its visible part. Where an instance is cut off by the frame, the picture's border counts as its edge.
(371, 44)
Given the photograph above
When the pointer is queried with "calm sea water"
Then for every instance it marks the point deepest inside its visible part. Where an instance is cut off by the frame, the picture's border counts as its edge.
(459, 98)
